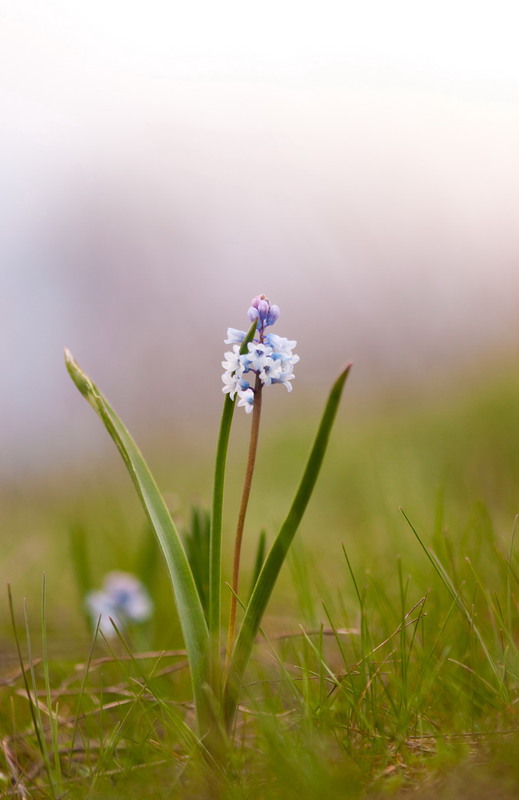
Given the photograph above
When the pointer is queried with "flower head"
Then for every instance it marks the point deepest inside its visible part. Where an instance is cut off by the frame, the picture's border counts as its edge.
(268, 356)
(123, 598)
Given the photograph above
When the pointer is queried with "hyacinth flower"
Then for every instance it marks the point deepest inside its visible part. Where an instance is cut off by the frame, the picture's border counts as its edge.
(267, 360)
(257, 359)
(123, 600)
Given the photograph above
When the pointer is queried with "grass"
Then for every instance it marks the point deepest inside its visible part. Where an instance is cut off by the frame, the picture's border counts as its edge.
(388, 664)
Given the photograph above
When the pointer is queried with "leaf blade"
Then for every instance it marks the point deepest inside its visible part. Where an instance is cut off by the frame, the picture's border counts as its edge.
(267, 578)
(190, 611)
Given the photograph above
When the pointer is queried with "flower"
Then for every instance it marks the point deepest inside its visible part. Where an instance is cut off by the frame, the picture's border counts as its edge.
(247, 400)
(123, 598)
(257, 356)
(268, 356)
(283, 378)
(232, 360)
(270, 371)
(281, 345)
(230, 381)
(234, 336)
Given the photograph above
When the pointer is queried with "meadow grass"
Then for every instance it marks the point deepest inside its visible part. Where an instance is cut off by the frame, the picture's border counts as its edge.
(387, 664)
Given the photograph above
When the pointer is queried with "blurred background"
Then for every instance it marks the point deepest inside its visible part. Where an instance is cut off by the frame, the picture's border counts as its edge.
(163, 162)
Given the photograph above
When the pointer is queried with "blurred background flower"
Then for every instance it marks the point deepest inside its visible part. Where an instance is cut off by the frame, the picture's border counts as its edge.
(123, 599)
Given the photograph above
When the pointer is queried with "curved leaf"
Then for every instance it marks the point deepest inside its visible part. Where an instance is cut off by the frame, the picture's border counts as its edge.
(270, 571)
(191, 615)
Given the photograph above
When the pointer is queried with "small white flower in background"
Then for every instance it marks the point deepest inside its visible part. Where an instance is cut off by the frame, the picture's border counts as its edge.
(269, 356)
(123, 598)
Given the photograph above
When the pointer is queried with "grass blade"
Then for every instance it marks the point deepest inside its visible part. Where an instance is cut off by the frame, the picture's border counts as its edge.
(456, 596)
(53, 715)
(32, 693)
(270, 571)
(191, 615)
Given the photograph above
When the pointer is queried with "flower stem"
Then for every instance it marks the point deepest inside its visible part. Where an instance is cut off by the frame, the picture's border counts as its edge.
(247, 483)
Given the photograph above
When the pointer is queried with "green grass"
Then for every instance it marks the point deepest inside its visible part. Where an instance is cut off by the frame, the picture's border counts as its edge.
(388, 663)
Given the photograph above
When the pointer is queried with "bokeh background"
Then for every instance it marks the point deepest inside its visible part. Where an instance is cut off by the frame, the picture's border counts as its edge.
(163, 162)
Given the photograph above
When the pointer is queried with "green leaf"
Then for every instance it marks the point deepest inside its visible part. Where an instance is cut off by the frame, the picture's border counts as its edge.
(191, 615)
(196, 543)
(215, 553)
(260, 558)
(270, 571)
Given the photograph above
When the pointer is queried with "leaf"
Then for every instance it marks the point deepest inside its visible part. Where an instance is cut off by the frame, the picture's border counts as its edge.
(190, 612)
(272, 566)
(260, 558)
(196, 543)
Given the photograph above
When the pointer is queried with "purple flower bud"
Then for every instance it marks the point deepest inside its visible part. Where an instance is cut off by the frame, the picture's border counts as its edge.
(263, 311)
(272, 315)
(257, 300)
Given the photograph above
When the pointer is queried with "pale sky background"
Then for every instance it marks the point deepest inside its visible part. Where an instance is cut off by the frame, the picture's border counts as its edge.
(163, 162)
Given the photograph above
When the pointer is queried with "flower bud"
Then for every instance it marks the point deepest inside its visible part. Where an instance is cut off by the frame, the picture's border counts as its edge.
(263, 311)
(272, 315)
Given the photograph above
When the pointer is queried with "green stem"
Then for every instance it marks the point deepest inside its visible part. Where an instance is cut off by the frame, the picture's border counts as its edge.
(247, 483)
(215, 546)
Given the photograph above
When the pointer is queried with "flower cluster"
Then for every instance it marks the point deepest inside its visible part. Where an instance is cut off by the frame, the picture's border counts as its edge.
(269, 357)
(123, 598)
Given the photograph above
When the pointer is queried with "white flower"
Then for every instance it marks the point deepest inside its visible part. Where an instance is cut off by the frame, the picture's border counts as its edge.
(246, 400)
(129, 594)
(283, 378)
(234, 336)
(271, 371)
(100, 607)
(234, 384)
(230, 384)
(232, 360)
(257, 356)
(281, 345)
(123, 598)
